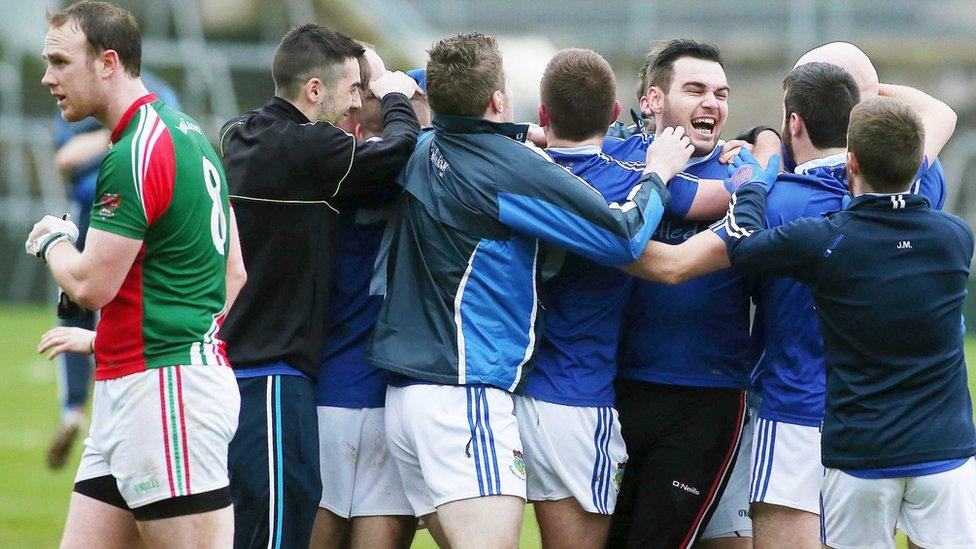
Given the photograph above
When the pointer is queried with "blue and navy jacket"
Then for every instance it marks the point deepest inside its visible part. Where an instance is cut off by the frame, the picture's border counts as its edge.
(693, 334)
(888, 278)
(462, 295)
(791, 368)
(346, 379)
(583, 304)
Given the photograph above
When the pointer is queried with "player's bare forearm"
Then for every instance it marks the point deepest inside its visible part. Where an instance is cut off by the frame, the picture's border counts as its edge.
(675, 264)
(236, 274)
(711, 201)
(92, 278)
(938, 119)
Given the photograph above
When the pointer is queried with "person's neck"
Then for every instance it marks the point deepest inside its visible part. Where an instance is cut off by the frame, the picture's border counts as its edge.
(556, 142)
(123, 96)
(808, 153)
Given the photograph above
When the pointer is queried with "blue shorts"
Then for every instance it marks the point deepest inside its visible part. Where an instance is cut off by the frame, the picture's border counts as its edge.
(274, 463)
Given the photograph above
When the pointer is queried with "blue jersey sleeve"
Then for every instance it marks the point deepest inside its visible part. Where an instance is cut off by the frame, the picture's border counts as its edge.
(547, 201)
(930, 183)
(683, 188)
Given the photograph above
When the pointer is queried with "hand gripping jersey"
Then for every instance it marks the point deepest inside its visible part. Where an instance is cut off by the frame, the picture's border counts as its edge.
(162, 183)
(791, 368)
(461, 307)
(693, 334)
(575, 362)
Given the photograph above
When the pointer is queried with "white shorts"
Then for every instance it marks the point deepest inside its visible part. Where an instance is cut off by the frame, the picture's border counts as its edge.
(572, 451)
(162, 433)
(359, 476)
(786, 467)
(454, 442)
(935, 511)
(731, 517)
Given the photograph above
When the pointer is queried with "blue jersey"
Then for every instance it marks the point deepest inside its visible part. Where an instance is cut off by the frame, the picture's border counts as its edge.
(346, 379)
(888, 277)
(692, 334)
(791, 369)
(583, 304)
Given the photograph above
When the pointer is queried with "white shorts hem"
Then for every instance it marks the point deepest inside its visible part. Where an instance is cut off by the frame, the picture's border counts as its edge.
(151, 500)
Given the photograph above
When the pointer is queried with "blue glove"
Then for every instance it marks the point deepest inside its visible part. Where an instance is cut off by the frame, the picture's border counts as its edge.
(748, 170)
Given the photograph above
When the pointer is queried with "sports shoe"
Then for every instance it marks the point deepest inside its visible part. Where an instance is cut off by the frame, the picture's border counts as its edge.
(64, 439)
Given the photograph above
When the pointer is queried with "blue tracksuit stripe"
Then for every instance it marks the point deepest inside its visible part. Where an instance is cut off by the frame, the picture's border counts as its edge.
(769, 467)
(759, 460)
(474, 440)
(491, 442)
(607, 462)
(598, 462)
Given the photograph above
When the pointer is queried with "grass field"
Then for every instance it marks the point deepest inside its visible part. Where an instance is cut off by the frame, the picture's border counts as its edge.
(33, 500)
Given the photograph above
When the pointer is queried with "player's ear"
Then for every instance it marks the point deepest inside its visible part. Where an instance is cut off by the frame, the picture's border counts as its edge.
(543, 115)
(107, 63)
(615, 113)
(852, 166)
(358, 132)
(796, 124)
(313, 90)
(497, 104)
(655, 100)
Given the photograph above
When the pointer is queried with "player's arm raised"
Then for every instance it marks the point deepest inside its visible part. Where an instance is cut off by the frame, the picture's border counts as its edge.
(546, 201)
(938, 119)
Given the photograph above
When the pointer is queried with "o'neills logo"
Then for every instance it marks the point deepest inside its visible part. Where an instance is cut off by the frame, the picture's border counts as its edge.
(685, 487)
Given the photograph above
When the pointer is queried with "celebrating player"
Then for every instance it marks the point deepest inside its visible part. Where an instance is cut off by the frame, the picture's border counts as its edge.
(685, 371)
(160, 262)
(363, 503)
(458, 324)
(787, 471)
(575, 465)
(898, 434)
(290, 170)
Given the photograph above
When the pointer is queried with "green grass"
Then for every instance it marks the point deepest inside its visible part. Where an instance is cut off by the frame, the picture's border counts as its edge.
(34, 500)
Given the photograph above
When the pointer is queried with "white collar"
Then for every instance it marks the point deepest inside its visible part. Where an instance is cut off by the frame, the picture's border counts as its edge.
(699, 159)
(582, 149)
(832, 160)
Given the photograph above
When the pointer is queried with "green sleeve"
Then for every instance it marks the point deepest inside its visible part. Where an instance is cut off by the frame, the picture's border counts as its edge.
(118, 206)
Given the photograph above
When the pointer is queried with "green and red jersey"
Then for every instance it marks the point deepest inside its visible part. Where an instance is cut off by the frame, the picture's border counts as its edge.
(162, 183)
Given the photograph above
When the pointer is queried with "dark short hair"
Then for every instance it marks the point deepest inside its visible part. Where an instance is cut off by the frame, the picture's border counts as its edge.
(886, 136)
(822, 95)
(462, 74)
(308, 51)
(658, 67)
(106, 27)
(578, 89)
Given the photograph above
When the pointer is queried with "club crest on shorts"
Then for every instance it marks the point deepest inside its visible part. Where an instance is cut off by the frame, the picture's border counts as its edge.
(618, 475)
(108, 203)
(518, 464)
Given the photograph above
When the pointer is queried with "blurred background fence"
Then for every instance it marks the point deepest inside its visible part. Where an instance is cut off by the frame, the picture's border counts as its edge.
(217, 55)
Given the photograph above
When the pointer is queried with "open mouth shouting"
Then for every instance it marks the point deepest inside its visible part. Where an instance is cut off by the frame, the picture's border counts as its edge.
(705, 125)
(60, 98)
